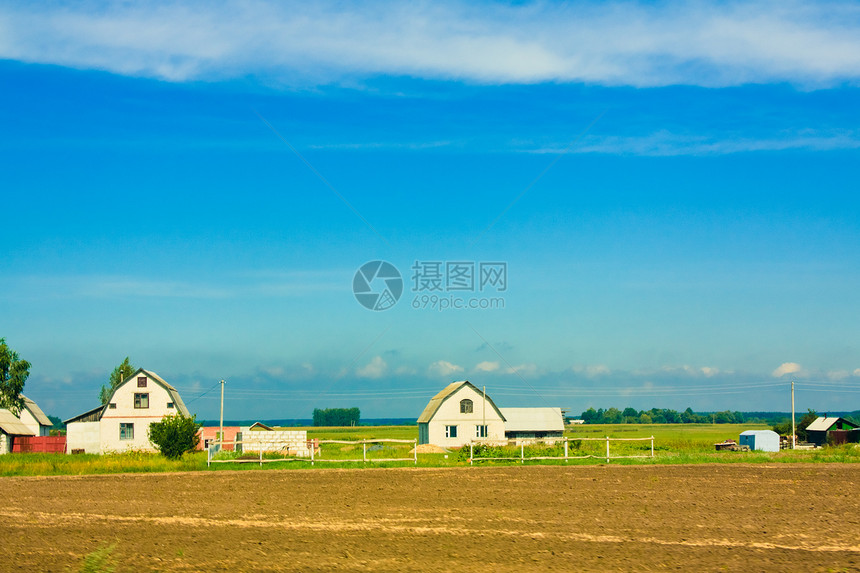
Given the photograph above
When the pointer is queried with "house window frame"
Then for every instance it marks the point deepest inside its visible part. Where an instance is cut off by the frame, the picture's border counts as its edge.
(482, 431)
(451, 431)
(170, 405)
(126, 431)
(112, 406)
(141, 381)
(467, 406)
(139, 398)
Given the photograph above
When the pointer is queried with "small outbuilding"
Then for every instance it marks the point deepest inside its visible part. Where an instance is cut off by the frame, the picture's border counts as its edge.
(760, 440)
(531, 423)
(832, 430)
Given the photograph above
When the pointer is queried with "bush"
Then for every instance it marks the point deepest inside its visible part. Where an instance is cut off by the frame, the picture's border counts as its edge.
(175, 435)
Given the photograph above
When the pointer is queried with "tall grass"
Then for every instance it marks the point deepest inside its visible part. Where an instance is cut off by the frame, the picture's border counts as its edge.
(86, 464)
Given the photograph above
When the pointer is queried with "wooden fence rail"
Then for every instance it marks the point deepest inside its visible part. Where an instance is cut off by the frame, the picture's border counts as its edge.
(551, 441)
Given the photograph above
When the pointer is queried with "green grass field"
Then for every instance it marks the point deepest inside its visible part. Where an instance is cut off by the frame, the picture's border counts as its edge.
(673, 444)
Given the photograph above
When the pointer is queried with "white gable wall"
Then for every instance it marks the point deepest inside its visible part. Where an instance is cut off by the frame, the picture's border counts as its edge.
(84, 436)
(449, 414)
(126, 413)
(29, 420)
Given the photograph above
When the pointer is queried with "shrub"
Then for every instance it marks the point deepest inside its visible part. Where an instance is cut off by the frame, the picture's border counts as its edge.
(175, 435)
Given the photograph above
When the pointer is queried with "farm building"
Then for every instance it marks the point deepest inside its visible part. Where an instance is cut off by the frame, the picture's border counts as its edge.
(761, 440)
(209, 435)
(461, 413)
(30, 421)
(832, 430)
(533, 423)
(123, 423)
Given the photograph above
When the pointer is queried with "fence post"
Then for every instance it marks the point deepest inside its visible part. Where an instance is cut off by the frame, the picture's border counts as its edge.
(261, 454)
(364, 450)
(522, 452)
(471, 454)
(652, 446)
(607, 449)
(565, 450)
(313, 447)
(416, 451)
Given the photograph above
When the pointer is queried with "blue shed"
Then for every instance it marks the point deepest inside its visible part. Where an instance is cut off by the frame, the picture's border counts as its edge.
(761, 440)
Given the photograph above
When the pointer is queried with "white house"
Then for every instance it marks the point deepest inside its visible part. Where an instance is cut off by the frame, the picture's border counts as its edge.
(31, 421)
(459, 414)
(123, 423)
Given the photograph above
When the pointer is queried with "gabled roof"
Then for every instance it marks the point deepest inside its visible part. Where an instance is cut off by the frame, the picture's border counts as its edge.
(259, 426)
(823, 424)
(12, 425)
(533, 420)
(174, 393)
(37, 412)
(449, 390)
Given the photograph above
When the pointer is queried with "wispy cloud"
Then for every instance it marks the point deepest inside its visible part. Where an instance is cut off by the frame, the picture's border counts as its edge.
(619, 43)
(787, 368)
(376, 368)
(444, 368)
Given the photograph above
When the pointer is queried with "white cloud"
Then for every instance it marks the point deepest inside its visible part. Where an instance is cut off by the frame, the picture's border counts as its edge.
(618, 43)
(597, 370)
(838, 374)
(487, 366)
(708, 371)
(856, 372)
(376, 368)
(444, 368)
(786, 368)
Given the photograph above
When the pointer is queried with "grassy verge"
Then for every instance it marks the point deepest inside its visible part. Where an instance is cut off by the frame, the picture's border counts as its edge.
(674, 444)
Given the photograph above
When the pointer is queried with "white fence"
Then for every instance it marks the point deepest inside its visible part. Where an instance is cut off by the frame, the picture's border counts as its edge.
(554, 441)
(364, 457)
(313, 452)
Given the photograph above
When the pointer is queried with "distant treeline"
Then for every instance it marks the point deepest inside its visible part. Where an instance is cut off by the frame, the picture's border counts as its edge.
(688, 416)
(336, 417)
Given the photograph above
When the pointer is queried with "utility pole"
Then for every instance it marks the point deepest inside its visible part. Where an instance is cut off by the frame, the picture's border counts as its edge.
(793, 431)
(221, 435)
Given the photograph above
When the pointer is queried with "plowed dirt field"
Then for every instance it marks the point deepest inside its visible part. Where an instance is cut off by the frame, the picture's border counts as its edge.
(535, 518)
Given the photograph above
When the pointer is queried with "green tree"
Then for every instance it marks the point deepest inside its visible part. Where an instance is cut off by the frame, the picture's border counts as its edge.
(13, 374)
(117, 377)
(336, 417)
(175, 435)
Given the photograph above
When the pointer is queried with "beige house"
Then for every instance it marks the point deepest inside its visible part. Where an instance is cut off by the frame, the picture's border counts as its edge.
(123, 423)
(31, 421)
(459, 414)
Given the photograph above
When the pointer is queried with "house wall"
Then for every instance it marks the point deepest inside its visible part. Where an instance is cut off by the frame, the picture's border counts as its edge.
(141, 418)
(449, 414)
(5, 443)
(32, 423)
(210, 434)
(84, 436)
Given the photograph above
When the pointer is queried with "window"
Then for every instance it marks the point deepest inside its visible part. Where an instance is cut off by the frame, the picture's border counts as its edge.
(141, 401)
(112, 406)
(480, 431)
(450, 431)
(126, 431)
(169, 405)
(466, 406)
(141, 381)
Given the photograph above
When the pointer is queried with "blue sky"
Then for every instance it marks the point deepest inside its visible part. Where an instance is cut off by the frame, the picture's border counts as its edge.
(672, 189)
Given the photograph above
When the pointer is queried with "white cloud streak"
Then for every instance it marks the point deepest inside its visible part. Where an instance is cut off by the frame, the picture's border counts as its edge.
(620, 43)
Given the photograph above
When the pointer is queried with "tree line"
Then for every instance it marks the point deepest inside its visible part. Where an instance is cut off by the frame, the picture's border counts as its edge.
(336, 417)
(660, 416)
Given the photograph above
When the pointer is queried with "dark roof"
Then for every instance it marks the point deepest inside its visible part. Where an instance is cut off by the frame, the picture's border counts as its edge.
(824, 424)
(93, 415)
(449, 390)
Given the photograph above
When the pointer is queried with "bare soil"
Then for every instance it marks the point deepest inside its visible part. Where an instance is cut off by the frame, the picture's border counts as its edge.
(533, 518)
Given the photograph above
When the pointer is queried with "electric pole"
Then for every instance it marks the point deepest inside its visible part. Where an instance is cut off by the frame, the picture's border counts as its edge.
(793, 431)
(221, 434)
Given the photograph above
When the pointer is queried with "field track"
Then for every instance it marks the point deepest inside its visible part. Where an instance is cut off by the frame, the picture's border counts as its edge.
(791, 517)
